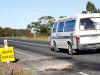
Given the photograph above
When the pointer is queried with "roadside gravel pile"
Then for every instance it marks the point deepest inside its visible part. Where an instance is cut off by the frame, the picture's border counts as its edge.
(47, 64)
(37, 65)
(13, 69)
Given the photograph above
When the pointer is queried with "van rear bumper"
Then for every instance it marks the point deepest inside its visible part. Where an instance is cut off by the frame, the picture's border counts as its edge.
(89, 46)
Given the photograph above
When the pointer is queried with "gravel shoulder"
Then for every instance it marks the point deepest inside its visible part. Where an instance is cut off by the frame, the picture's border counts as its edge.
(42, 65)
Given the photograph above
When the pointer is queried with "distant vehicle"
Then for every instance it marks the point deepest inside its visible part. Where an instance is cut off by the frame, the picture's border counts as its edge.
(80, 32)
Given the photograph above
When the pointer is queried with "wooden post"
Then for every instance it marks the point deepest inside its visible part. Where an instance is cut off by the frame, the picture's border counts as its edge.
(5, 43)
(6, 46)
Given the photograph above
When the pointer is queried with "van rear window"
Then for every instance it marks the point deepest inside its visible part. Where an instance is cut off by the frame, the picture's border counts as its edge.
(91, 23)
(69, 25)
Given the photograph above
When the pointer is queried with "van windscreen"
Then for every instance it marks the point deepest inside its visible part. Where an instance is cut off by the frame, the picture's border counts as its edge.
(91, 23)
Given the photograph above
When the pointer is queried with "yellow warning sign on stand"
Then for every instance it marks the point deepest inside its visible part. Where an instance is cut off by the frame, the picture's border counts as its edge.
(7, 54)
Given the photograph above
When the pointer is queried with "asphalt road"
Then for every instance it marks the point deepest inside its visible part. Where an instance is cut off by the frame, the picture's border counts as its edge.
(87, 63)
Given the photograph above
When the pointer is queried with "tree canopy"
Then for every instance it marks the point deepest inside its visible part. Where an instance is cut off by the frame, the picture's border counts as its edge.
(91, 8)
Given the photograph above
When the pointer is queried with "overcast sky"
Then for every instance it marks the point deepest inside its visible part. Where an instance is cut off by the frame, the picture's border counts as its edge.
(19, 13)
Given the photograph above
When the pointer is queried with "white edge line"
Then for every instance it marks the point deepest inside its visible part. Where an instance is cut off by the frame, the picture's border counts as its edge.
(82, 73)
(23, 53)
(29, 43)
(26, 54)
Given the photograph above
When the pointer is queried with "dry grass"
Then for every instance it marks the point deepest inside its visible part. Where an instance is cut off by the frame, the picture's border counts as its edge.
(44, 38)
(13, 69)
(40, 38)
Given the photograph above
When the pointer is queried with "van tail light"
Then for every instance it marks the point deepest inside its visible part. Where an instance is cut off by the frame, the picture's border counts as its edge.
(78, 40)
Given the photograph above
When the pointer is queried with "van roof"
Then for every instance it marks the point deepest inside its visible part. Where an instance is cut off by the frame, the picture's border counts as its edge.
(88, 15)
(80, 16)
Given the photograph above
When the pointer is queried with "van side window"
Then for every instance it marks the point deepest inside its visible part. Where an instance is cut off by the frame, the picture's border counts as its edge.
(88, 23)
(55, 27)
(69, 25)
(60, 27)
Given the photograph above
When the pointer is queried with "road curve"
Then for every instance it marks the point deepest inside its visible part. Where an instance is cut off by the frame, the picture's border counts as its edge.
(86, 62)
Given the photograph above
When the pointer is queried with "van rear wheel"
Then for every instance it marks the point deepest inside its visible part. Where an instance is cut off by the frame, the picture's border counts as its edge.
(55, 47)
(70, 49)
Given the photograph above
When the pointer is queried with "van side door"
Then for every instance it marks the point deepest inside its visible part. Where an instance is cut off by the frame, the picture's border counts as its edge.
(54, 33)
(69, 32)
(59, 34)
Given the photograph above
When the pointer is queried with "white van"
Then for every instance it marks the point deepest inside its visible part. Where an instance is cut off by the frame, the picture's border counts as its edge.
(80, 32)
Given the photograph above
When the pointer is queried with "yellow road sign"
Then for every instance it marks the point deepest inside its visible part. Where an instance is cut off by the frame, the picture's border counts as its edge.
(7, 54)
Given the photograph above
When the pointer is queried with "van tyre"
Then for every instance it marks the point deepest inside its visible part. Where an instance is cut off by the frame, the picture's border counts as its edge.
(55, 49)
(70, 49)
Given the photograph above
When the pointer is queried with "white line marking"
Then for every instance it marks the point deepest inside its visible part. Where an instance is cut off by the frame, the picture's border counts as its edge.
(82, 73)
(23, 53)
(30, 43)
(26, 54)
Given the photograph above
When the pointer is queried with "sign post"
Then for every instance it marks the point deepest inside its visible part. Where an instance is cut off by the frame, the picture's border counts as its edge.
(5, 43)
(7, 53)
(6, 46)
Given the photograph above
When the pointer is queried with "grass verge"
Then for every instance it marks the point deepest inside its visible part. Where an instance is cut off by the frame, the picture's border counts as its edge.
(40, 38)
(13, 69)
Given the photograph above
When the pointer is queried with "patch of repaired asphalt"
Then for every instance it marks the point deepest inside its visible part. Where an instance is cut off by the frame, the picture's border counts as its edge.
(47, 65)
(42, 64)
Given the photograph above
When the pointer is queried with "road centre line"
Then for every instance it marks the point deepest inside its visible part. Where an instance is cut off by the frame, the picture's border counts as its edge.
(82, 73)
(26, 54)
(20, 52)
(30, 43)
(23, 53)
